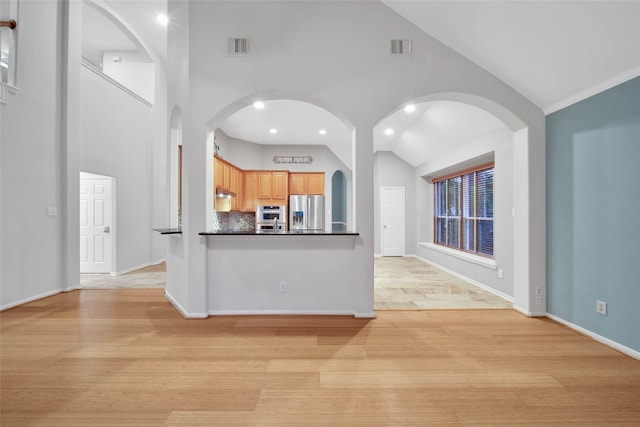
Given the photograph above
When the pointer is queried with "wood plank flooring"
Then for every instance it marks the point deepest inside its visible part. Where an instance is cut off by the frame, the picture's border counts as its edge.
(127, 358)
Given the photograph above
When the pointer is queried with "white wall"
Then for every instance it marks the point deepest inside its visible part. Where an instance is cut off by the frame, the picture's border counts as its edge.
(30, 147)
(183, 269)
(499, 147)
(40, 151)
(243, 154)
(117, 141)
(243, 289)
(294, 56)
(132, 71)
(160, 162)
(391, 171)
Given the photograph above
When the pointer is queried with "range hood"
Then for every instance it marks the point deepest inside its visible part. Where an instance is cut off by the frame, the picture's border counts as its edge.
(221, 192)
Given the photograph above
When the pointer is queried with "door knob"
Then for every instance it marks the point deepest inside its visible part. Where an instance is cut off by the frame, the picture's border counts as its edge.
(106, 229)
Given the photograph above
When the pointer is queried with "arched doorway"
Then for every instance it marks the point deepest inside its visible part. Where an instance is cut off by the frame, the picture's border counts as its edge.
(338, 201)
(511, 158)
(175, 169)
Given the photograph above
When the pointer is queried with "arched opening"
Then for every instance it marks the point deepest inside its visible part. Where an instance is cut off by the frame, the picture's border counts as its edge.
(339, 201)
(282, 133)
(175, 169)
(111, 49)
(425, 142)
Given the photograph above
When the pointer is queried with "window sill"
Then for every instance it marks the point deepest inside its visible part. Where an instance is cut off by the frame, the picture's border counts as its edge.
(485, 262)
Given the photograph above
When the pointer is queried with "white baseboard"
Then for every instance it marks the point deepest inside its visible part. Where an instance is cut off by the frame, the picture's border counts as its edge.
(606, 341)
(530, 313)
(468, 279)
(30, 299)
(370, 315)
(280, 313)
(137, 267)
(182, 310)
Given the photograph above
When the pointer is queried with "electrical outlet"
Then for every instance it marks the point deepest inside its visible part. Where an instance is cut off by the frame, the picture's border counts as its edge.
(500, 273)
(283, 286)
(52, 211)
(601, 307)
(538, 299)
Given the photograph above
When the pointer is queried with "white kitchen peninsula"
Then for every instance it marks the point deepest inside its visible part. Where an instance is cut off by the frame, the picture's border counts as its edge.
(281, 273)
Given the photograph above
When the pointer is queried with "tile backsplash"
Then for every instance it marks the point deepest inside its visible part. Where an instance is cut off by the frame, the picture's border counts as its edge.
(234, 221)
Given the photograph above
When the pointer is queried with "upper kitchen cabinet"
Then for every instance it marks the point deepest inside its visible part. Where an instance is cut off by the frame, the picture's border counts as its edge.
(264, 185)
(250, 191)
(279, 185)
(237, 183)
(222, 175)
(217, 171)
(273, 187)
(306, 183)
(227, 180)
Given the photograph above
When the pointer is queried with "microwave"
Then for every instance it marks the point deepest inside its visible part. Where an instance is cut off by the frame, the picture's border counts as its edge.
(272, 218)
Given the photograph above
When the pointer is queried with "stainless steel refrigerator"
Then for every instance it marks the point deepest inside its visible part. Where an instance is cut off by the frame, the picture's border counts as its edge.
(306, 213)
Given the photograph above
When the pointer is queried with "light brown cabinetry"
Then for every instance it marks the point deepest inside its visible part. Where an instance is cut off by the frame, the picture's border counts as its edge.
(261, 187)
(237, 182)
(250, 191)
(264, 185)
(306, 183)
(217, 173)
(273, 187)
(227, 178)
(280, 185)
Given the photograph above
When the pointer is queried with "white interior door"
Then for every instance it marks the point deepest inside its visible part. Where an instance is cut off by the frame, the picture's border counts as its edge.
(392, 221)
(96, 237)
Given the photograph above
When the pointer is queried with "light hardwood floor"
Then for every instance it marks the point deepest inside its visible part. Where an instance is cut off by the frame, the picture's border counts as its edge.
(127, 358)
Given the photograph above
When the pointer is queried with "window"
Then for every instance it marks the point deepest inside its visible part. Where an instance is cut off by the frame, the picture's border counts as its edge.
(463, 211)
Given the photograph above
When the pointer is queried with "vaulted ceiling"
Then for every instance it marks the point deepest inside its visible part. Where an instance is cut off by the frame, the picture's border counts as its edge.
(552, 52)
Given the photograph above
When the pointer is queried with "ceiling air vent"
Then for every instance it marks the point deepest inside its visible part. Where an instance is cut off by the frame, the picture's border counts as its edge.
(237, 47)
(401, 47)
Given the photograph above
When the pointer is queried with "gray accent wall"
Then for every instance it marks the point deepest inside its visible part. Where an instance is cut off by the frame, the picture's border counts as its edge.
(593, 200)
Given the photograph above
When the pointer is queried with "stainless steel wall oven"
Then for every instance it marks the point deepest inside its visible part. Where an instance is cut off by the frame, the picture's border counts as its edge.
(271, 218)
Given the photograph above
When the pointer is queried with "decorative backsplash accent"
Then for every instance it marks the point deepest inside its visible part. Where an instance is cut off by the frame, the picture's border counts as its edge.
(234, 221)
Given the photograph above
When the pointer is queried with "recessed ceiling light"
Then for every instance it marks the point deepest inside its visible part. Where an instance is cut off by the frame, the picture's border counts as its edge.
(410, 108)
(322, 132)
(258, 105)
(273, 130)
(388, 131)
(162, 19)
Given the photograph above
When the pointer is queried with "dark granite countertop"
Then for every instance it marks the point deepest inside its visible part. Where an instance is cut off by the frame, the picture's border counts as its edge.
(168, 230)
(277, 233)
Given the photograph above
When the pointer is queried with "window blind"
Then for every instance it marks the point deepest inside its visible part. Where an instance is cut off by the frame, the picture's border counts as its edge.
(463, 211)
